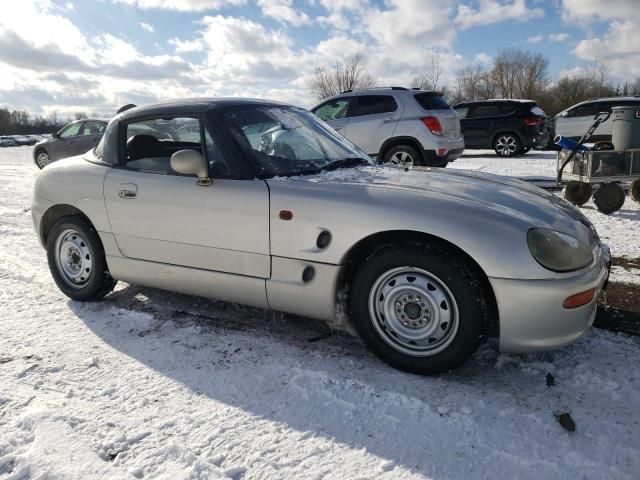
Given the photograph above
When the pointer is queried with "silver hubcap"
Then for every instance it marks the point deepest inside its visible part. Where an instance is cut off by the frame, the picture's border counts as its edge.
(401, 158)
(413, 311)
(74, 258)
(43, 159)
(506, 145)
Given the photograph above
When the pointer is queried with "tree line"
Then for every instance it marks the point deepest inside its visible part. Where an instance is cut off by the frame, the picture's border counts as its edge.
(513, 73)
(20, 122)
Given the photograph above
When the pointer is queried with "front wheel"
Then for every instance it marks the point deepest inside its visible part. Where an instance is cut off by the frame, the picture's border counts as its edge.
(506, 145)
(77, 261)
(42, 158)
(420, 308)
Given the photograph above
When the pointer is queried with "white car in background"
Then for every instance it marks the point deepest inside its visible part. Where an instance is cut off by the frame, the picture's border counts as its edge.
(575, 120)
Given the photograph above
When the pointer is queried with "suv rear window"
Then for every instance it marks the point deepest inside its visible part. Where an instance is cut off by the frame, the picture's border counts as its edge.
(431, 101)
(372, 104)
(538, 111)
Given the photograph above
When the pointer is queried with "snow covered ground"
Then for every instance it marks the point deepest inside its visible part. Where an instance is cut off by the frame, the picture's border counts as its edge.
(150, 384)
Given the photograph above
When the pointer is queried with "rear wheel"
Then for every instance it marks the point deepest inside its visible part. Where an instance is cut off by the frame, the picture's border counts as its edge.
(402, 155)
(77, 261)
(42, 158)
(577, 193)
(609, 198)
(507, 145)
(418, 307)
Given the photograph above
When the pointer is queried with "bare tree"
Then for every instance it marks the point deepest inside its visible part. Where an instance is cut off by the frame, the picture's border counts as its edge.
(519, 73)
(430, 78)
(347, 75)
(598, 73)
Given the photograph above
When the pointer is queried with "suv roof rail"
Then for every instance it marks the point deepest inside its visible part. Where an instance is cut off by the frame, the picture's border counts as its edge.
(375, 88)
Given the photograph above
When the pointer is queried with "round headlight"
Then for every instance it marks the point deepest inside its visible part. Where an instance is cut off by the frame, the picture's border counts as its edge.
(558, 251)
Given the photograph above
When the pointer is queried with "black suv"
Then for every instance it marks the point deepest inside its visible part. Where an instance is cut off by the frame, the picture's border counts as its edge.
(510, 127)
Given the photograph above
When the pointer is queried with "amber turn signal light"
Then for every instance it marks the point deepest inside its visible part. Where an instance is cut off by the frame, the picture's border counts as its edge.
(579, 299)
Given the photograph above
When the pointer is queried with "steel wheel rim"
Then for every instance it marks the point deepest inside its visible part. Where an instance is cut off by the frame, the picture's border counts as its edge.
(506, 145)
(413, 311)
(74, 258)
(401, 158)
(43, 159)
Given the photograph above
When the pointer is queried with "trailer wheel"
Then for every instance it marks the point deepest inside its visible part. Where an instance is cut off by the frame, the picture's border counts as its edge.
(609, 198)
(634, 190)
(577, 193)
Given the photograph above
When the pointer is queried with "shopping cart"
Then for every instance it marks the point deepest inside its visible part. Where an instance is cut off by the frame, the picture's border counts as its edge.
(580, 169)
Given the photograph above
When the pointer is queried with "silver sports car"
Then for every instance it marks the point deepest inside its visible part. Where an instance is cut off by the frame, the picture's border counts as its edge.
(263, 204)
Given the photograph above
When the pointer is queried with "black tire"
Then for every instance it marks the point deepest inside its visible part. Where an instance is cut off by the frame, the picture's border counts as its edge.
(507, 145)
(88, 251)
(451, 270)
(634, 190)
(609, 198)
(524, 150)
(577, 193)
(402, 154)
(39, 158)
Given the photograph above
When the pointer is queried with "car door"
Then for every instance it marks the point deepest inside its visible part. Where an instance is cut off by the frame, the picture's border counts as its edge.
(66, 145)
(334, 112)
(577, 120)
(90, 135)
(160, 216)
(479, 126)
(373, 120)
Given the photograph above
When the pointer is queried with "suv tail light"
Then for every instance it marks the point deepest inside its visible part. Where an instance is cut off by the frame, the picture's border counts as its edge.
(532, 121)
(433, 124)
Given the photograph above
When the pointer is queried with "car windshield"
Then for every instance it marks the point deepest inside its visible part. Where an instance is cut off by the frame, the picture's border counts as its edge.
(287, 141)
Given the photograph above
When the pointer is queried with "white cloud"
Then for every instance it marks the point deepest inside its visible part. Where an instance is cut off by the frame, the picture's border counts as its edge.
(182, 5)
(558, 37)
(535, 39)
(185, 46)
(483, 59)
(495, 11)
(619, 46)
(147, 26)
(283, 11)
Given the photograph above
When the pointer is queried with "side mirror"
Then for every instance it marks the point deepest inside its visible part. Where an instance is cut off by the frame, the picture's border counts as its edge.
(564, 114)
(55, 135)
(190, 162)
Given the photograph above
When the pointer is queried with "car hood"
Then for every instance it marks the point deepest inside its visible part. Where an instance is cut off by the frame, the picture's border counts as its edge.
(501, 195)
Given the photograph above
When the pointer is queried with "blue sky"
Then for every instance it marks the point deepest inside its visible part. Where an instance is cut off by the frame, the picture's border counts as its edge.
(70, 55)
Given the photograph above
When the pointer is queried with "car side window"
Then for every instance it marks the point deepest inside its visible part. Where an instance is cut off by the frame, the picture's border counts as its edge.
(150, 143)
(333, 109)
(373, 104)
(585, 110)
(92, 128)
(481, 111)
(72, 130)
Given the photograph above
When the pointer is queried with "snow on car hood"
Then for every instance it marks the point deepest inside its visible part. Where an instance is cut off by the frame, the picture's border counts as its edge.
(503, 194)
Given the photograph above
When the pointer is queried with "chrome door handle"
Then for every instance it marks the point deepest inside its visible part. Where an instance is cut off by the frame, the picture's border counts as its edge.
(388, 120)
(337, 129)
(128, 191)
(128, 194)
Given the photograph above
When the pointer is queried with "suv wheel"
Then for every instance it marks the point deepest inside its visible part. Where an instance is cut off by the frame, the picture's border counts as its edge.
(507, 145)
(402, 155)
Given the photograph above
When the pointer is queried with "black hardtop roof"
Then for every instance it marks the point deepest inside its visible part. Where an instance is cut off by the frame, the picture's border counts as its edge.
(192, 105)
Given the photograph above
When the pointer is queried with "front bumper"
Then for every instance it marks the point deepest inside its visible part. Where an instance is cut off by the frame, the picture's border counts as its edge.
(39, 206)
(531, 314)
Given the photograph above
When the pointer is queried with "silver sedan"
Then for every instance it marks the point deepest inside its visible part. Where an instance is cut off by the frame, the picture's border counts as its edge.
(263, 204)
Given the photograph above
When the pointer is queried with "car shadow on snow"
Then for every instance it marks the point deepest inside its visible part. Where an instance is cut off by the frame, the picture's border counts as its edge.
(291, 371)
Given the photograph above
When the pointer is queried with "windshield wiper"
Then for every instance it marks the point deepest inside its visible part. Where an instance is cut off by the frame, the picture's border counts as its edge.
(347, 162)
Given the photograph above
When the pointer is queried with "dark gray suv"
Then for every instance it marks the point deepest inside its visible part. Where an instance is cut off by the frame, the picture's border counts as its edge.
(73, 139)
